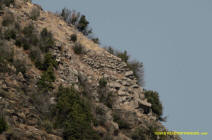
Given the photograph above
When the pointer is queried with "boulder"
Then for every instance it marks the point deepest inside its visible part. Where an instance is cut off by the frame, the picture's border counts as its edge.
(129, 74)
(115, 85)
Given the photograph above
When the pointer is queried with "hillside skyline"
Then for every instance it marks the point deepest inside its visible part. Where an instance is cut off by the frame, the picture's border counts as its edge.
(172, 39)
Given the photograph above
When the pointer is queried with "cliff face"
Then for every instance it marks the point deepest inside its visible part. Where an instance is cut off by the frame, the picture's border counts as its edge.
(24, 108)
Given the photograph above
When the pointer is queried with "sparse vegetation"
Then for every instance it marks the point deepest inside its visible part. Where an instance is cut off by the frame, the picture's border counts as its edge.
(35, 54)
(7, 51)
(48, 126)
(78, 48)
(100, 110)
(139, 134)
(95, 40)
(10, 34)
(110, 50)
(147, 133)
(28, 30)
(123, 124)
(102, 82)
(76, 19)
(39, 53)
(71, 17)
(45, 83)
(3, 65)
(100, 116)
(138, 70)
(17, 26)
(8, 2)
(18, 42)
(123, 55)
(80, 23)
(35, 13)
(8, 19)
(153, 98)
(46, 40)
(110, 99)
(3, 124)
(49, 61)
(20, 66)
(74, 115)
(6, 57)
(74, 37)
(134, 65)
(107, 97)
(30, 38)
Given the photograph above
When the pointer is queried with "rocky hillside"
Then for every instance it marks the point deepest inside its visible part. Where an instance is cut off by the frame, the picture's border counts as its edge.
(53, 87)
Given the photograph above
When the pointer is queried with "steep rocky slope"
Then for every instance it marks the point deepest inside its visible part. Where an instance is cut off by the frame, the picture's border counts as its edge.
(28, 112)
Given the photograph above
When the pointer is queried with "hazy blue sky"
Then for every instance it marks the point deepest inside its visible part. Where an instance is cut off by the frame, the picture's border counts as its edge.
(173, 38)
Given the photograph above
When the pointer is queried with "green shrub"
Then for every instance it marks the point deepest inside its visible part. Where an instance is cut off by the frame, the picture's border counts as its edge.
(74, 37)
(139, 134)
(71, 17)
(110, 50)
(123, 124)
(38, 64)
(46, 40)
(3, 65)
(76, 19)
(7, 52)
(74, 115)
(48, 66)
(105, 96)
(82, 25)
(100, 110)
(102, 82)
(134, 65)
(29, 35)
(18, 42)
(28, 30)
(35, 53)
(50, 77)
(49, 60)
(48, 125)
(78, 48)
(153, 98)
(45, 83)
(123, 55)
(35, 13)
(138, 70)
(26, 44)
(95, 40)
(3, 124)
(49, 74)
(10, 34)
(66, 14)
(34, 40)
(147, 133)
(110, 100)
(20, 66)
(37, 57)
(100, 116)
(8, 19)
